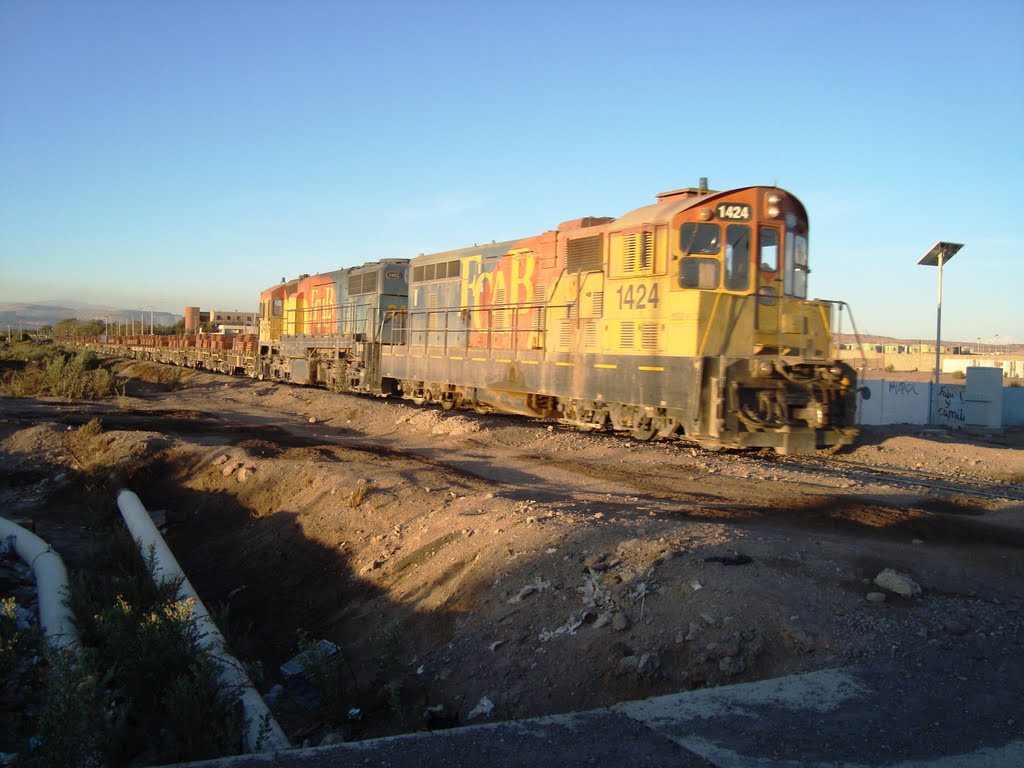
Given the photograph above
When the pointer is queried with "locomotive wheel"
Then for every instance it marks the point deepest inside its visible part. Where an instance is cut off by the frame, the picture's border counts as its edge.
(644, 432)
(448, 404)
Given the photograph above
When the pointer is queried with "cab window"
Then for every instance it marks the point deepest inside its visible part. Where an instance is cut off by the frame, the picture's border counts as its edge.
(737, 257)
(699, 273)
(700, 238)
(769, 250)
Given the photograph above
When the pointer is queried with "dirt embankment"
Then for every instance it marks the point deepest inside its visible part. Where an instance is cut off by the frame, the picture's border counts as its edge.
(484, 567)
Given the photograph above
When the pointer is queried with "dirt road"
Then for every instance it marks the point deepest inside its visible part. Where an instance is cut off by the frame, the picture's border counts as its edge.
(475, 568)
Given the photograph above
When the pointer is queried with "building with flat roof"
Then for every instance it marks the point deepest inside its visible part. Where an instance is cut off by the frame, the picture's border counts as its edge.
(219, 319)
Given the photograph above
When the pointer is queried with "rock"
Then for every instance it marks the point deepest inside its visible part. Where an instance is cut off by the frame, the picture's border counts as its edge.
(693, 630)
(708, 619)
(334, 737)
(274, 694)
(754, 648)
(539, 585)
(621, 649)
(596, 563)
(649, 665)
(628, 665)
(897, 582)
(220, 460)
(620, 622)
(876, 597)
(731, 665)
(483, 708)
(603, 620)
(245, 473)
(797, 639)
(729, 647)
(695, 585)
(954, 627)
(312, 420)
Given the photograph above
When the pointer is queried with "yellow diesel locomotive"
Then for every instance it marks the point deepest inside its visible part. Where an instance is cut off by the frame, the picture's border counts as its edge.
(689, 316)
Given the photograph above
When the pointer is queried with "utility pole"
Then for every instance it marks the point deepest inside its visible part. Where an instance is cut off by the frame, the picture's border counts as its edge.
(938, 255)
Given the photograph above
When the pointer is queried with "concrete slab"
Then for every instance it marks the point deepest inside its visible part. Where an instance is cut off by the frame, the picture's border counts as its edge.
(928, 708)
(598, 738)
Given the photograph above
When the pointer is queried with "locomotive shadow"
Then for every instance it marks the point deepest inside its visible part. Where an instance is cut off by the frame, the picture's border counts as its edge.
(949, 522)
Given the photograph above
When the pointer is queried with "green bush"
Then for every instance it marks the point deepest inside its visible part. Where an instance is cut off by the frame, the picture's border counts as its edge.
(172, 378)
(29, 351)
(61, 374)
(142, 689)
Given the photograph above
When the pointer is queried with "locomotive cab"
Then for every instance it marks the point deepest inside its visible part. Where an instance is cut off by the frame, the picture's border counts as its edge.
(765, 347)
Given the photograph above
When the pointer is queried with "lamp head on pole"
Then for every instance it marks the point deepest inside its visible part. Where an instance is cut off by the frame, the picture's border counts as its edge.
(941, 249)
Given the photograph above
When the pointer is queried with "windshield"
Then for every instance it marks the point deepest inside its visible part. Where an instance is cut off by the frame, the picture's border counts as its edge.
(795, 275)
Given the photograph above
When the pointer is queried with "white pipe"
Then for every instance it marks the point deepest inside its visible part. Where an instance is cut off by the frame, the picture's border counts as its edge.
(262, 731)
(51, 584)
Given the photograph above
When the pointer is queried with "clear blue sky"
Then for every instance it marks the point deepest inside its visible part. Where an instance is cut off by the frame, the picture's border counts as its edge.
(178, 153)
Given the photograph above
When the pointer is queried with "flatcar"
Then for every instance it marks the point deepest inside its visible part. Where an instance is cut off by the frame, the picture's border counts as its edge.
(686, 317)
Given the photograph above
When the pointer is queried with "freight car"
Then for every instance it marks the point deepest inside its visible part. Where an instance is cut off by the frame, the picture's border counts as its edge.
(686, 317)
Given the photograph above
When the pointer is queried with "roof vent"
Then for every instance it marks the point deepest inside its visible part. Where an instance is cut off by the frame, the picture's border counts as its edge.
(685, 192)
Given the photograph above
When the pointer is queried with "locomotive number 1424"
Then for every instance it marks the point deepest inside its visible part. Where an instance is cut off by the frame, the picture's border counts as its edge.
(639, 296)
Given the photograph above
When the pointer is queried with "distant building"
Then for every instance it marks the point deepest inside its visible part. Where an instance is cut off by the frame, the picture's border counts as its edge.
(221, 320)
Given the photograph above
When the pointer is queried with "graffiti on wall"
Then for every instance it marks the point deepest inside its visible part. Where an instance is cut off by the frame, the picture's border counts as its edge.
(903, 388)
(949, 406)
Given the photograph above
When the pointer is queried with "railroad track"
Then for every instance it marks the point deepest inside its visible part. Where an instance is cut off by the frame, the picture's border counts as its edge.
(909, 478)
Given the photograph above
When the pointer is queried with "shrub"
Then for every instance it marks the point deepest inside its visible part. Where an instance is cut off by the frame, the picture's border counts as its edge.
(159, 693)
(71, 723)
(61, 374)
(172, 378)
(359, 493)
(30, 352)
(91, 428)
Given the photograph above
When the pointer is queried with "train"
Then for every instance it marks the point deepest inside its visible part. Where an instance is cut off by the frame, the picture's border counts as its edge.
(687, 317)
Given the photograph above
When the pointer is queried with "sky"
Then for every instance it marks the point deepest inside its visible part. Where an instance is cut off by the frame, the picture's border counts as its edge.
(165, 154)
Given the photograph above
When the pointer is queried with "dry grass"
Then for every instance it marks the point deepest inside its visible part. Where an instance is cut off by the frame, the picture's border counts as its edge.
(358, 494)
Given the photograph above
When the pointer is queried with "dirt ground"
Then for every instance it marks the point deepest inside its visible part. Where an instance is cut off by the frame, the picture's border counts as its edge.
(486, 567)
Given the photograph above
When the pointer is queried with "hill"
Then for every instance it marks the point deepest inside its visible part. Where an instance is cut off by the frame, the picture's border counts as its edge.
(36, 315)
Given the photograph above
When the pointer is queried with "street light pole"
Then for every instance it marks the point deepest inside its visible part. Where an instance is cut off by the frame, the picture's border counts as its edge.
(936, 256)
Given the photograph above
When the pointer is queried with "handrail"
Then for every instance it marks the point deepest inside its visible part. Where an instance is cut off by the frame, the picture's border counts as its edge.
(856, 333)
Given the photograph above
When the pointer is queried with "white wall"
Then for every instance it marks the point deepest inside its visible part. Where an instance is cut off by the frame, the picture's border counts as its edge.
(979, 403)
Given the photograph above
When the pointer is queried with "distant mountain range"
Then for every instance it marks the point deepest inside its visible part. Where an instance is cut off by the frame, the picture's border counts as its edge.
(35, 315)
(1007, 343)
